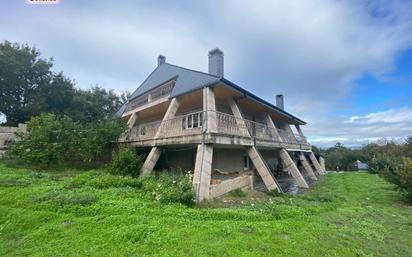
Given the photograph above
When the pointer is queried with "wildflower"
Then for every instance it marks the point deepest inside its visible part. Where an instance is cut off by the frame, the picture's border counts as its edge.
(174, 181)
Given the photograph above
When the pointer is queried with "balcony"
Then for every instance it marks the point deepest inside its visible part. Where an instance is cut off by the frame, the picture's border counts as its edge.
(182, 129)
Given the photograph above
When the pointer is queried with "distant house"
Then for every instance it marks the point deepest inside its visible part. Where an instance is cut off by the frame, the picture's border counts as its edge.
(205, 123)
(361, 165)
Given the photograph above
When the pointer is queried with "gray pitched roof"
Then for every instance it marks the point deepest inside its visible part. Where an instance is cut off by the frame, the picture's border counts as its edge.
(186, 81)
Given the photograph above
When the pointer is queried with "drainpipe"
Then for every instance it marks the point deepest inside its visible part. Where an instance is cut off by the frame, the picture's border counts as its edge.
(202, 142)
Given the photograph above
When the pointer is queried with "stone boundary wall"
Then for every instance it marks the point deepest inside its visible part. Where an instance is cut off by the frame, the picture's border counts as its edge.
(231, 184)
(8, 136)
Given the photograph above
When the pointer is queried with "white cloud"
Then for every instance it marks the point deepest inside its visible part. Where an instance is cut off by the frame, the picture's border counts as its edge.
(311, 51)
(389, 116)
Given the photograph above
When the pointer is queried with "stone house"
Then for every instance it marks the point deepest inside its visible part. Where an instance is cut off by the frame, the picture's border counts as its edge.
(226, 135)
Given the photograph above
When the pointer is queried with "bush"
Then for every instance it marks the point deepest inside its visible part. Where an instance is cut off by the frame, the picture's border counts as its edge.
(126, 162)
(405, 178)
(171, 187)
(52, 140)
(398, 171)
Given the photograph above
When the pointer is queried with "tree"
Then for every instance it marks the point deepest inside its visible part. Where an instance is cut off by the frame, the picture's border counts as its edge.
(22, 72)
(29, 88)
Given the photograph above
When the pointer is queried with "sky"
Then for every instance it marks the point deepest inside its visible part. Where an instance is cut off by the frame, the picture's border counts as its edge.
(345, 67)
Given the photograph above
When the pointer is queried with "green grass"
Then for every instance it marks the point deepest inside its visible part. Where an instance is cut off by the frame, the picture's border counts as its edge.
(49, 214)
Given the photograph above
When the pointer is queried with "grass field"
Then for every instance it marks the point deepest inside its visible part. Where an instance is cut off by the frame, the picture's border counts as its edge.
(350, 214)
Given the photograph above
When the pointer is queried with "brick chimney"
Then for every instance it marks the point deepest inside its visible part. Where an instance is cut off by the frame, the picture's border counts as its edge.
(216, 62)
(279, 102)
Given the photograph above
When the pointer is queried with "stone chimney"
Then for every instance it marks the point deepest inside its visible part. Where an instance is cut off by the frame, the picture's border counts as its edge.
(216, 62)
(279, 102)
(160, 60)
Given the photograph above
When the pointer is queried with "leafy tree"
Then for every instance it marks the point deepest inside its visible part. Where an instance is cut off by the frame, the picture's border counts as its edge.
(22, 72)
(29, 88)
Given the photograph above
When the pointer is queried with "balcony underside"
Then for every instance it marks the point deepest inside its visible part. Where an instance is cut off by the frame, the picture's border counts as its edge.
(217, 139)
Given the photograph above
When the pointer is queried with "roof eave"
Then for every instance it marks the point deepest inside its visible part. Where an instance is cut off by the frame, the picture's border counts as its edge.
(260, 100)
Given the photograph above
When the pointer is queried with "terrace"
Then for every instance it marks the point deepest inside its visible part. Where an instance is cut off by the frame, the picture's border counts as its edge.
(189, 128)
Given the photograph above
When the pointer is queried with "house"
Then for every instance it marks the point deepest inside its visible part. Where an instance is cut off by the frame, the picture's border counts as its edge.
(226, 135)
(361, 165)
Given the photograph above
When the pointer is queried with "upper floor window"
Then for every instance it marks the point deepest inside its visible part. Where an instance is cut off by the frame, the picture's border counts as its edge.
(193, 120)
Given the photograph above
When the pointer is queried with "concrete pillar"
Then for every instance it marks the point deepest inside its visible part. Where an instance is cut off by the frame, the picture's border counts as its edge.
(132, 120)
(307, 166)
(273, 130)
(322, 163)
(253, 152)
(301, 133)
(170, 114)
(291, 166)
(209, 106)
(315, 163)
(203, 171)
(262, 168)
(155, 152)
(151, 160)
(240, 122)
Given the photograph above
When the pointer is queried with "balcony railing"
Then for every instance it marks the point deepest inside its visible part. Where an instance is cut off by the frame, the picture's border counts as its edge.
(225, 123)
(155, 94)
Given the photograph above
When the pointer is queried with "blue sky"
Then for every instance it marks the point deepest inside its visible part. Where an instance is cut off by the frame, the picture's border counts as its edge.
(345, 67)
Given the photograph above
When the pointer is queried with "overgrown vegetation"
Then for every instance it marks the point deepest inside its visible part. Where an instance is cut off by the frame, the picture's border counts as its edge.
(52, 140)
(125, 162)
(98, 214)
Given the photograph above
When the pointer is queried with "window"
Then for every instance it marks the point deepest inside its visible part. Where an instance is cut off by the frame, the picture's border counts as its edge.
(246, 162)
(142, 131)
(193, 120)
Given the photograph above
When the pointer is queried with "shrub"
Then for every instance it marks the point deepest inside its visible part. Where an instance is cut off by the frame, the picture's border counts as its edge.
(170, 187)
(52, 140)
(126, 162)
(405, 178)
(395, 170)
(47, 141)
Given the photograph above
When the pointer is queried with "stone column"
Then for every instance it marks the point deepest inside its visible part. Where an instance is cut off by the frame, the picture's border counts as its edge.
(155, 152)
(288, 162)
(307, 166)
(203, 171)
(315, 163)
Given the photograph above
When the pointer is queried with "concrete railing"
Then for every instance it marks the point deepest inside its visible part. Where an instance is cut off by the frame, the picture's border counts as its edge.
(226, 124)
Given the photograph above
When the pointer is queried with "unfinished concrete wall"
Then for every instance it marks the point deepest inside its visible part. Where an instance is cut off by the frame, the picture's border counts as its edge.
(271, 157)
(230, 185)
(228, 160)
(8, 136)
(178, 159)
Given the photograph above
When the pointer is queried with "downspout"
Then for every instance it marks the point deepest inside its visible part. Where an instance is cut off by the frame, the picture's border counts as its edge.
(202, 142)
